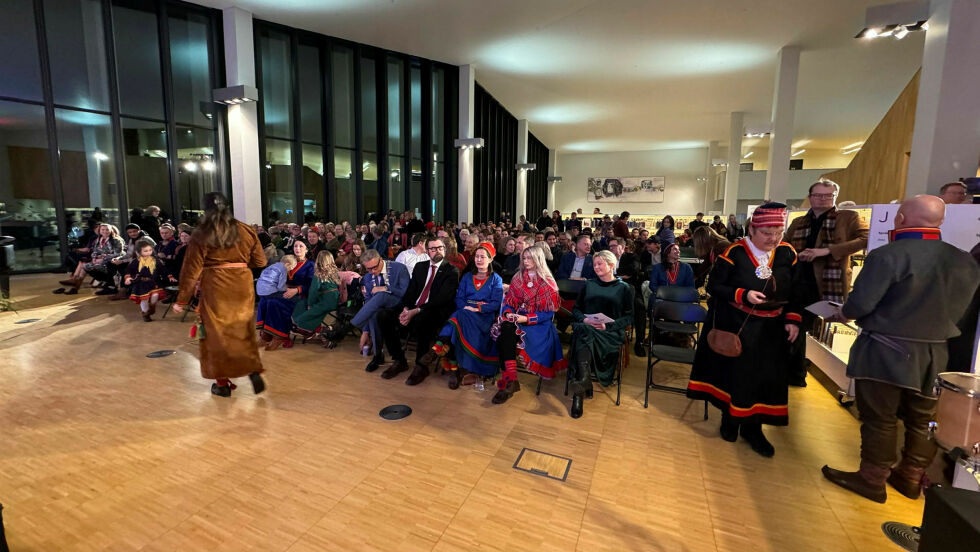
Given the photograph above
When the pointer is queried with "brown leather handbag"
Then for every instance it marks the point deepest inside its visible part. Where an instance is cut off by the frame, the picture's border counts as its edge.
(729, 344)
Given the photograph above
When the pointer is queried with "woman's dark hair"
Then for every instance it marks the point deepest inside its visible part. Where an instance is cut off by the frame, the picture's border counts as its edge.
(218, 228)
(665, 219)
(706, 239)
(665, 254)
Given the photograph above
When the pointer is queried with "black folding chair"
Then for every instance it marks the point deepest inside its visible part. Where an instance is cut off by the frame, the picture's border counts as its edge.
(674, 311)
(624, 361)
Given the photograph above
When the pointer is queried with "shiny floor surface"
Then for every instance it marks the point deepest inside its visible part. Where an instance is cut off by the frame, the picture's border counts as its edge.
(102, 448)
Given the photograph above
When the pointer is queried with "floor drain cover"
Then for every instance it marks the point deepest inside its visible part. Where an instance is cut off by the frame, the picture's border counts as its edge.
(901, 534)
(395, 412)
(543, 464)
(27, 321)
(159, 354)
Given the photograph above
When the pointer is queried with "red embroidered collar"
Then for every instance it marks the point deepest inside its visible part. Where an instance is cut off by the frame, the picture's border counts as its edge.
(672, 273)
(298, 266)
(478, 283)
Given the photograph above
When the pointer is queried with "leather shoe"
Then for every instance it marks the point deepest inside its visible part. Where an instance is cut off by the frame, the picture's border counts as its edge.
(576, 410)
(454, 379)
(221, 390)
(797, 382)
(854, 482)
(429, 358)
(418, 375)
(375, 363)
(729, 429)
(639, 350)
(503, 395)
(909, 488)
(396, 367)
(258, 384)
(757, 440)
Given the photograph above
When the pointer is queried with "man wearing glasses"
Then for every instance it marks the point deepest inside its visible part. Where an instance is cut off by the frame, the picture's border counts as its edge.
(825, 239)
(427, 304)
(384, 285)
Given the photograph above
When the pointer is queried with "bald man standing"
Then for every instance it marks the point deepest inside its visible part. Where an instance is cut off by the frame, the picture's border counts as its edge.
(908, 300)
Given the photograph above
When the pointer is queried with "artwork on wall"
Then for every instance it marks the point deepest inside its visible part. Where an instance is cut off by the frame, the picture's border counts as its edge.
(629, 189)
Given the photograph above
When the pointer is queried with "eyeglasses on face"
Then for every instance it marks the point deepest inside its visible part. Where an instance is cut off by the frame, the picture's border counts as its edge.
(376, 265)
(439, 248)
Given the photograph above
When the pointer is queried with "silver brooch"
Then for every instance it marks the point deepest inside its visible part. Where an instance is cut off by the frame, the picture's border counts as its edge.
(763, 272)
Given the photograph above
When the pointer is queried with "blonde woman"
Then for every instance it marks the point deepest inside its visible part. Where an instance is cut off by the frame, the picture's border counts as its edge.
(525, 327)
(325, 294)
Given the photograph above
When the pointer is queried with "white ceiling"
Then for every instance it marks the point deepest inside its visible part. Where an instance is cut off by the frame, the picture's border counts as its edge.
(621, 75)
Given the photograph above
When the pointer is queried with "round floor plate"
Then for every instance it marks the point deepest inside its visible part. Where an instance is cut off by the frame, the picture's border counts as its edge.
(27, 321)
(901, 534)
(395, 412)
(159, 354)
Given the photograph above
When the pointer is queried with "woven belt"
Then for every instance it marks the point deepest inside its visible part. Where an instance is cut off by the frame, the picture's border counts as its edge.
(762, 314)
(229, 265)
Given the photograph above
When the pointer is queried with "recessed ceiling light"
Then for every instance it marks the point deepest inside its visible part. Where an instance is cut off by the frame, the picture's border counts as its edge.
(799, 153)
(749, 154)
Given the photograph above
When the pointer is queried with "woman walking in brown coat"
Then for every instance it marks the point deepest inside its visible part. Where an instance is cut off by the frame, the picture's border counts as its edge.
(218, 261)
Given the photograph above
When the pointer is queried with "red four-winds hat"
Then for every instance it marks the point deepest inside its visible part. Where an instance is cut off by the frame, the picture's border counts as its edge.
(491, 250)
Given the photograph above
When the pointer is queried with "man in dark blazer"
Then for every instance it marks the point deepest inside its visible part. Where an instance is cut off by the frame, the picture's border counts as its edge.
(425, 307)
(384, 286)
(577, 264)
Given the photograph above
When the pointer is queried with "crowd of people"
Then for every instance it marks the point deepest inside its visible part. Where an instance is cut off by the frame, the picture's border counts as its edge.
(481, 301)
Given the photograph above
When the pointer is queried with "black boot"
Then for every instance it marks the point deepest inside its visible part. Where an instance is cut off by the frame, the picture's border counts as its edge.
(375, 363)
(221, 390)
(258, 384)
(729, 428)
(757, 440)
(576, 411)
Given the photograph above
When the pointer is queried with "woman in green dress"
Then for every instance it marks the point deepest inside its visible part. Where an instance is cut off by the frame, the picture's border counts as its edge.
(324, 296)
(595, 345)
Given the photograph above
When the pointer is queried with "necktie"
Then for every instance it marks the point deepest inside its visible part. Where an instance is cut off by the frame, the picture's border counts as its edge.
(428, 285)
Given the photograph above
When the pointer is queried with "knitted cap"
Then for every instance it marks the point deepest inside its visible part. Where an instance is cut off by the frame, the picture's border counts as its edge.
(769, 214)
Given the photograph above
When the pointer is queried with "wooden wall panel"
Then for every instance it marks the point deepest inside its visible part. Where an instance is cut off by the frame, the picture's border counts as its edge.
(877, 173)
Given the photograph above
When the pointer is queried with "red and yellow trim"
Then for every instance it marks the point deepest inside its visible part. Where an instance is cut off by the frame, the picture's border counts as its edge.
(793, 317)
(467, 347)
(740, 295)
(138, 298)
(756, 312)
(738, 412)
(260, 325)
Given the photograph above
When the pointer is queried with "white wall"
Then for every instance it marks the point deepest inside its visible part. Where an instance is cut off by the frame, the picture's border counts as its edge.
(680, 167)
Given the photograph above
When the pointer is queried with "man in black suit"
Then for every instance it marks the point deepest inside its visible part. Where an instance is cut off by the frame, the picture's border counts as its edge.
(426, 305)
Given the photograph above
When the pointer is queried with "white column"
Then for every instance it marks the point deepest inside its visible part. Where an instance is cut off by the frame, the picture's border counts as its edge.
(243, 119)
(522, 174)
(709, 176)
(736, 130)
(552, 172)
(946, 139)
(783, 113)
(467, 88)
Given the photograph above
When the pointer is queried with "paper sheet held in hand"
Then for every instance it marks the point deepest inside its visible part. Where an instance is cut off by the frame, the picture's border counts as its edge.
(598, 318)
(824, 309)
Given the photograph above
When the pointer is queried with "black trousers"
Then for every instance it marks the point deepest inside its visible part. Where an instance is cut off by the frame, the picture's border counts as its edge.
(425, 326)
(796, 364)
(507, 342)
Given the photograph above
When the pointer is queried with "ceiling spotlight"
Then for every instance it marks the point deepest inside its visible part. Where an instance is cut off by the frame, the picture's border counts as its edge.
(526, 166)
(749, 154)
(854, 145)
(799, 153)
(99, 156)
(850, 151)
(467, 143)
(888, 31)
(208, 166)
(554, 179)
(190, 166)
(269, 166)
(900, 33)
(233, 95)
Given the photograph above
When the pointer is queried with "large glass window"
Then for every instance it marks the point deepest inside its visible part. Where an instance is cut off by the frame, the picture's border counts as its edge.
(191, 68)
(27, 209)
(197, 171)
(369, 184)
(342, 67)
(18, 51)
(310, 86)
(134, 27)
(87, 165)
(396, 182)
(276, 83)
(396, 95)
(147, 172)
(76, 47)
(279, 191)
(369, 106)
(346, 195)
(438, 143)
(314, 189)
(415, 186)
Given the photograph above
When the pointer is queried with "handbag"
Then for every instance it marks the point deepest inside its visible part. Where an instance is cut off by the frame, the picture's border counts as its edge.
(725, 343)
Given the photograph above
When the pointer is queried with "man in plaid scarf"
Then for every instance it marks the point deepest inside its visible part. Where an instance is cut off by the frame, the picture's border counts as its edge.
(825, 239)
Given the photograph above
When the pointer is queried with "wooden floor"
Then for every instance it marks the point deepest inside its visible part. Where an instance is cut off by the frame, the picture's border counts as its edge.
(104, 449)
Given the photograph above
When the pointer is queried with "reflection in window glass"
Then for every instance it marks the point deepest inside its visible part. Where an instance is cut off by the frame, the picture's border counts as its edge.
(309, 94)
(415, 187)
(314, 187)
(396, 93)
(87, 164)
(342, 68)
(369, 106)
(76, 47)
(191, 69)
(346, 196)
(197, 171)
(147, 171)
(438, 204)
(19, 63)
(369, 184)
(276, 79)
(396, 182)
(416, 113)
(26, 193)
(138, 60)
(438, 114)
(279, 192)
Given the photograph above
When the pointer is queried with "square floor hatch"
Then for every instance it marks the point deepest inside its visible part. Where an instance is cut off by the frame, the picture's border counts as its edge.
(544, 464)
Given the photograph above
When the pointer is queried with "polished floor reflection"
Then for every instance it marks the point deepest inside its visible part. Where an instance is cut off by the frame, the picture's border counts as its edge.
(105, 449)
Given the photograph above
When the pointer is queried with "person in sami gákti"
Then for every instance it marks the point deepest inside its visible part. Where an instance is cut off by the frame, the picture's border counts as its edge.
(526, 328)
(465, 341)
(908, 300)
(218, 258)
(751, 289)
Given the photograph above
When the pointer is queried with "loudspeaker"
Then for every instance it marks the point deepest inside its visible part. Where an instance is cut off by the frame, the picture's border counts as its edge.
(951, 520)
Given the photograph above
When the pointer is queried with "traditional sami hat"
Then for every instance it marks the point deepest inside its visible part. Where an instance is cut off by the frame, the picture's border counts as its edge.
(769, 214)
(491, 250)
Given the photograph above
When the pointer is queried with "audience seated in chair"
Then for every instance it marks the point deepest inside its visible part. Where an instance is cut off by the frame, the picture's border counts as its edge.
(383, 287)
(274, 318)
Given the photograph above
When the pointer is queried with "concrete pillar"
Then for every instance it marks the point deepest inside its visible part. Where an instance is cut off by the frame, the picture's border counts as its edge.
(736, 130)
(946, 139)
(465, 192)
(243, 119)
(783, 113)
(552, 172)
(521, 207)
(709, 176)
